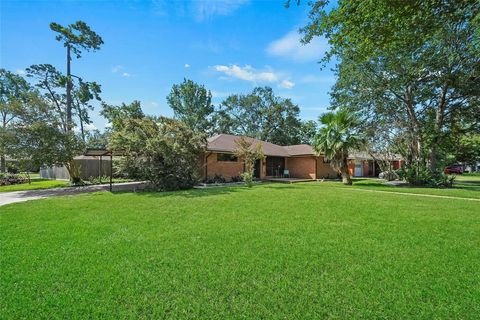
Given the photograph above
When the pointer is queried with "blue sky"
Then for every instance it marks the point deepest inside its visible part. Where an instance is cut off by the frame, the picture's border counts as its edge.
(229, 46)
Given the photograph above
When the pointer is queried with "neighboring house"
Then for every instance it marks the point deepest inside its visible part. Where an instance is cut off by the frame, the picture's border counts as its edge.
(300, 161)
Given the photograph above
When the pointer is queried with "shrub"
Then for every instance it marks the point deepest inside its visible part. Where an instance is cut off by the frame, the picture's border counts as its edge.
(420, 175)
(236, 179)
(388, 175)
(248, 178)
(163, 151)
(9, 179)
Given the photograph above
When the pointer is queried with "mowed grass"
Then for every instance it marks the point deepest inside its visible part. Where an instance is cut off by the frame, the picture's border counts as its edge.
(35, 185)
(272, 251)
(463, 188)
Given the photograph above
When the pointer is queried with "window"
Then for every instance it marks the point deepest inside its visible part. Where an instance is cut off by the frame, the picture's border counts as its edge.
(226, 157)
(275, 166)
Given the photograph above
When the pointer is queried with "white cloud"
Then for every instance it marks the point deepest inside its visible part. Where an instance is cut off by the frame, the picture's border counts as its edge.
(108, 125)
(205, 9)
(247, 73)
(287, 84)
(21, 72)
(89, 127)
(187, 65)
(290, 47)
(126, 74)
(117, 68)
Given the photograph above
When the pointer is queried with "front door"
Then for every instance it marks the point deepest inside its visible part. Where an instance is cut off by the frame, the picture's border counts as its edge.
(256, 170)
(358, 169)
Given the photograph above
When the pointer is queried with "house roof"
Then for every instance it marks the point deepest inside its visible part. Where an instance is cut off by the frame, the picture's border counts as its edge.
(227, 143)
(300, 150)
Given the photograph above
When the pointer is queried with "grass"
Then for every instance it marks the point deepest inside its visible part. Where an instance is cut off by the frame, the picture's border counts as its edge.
(462, 188)
(273, 251)
(36, 183)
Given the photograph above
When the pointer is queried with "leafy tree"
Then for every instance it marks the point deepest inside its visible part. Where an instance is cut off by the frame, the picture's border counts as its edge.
(96, 139)
(55, 124)
(260, 115)
(414, 64)
(161, 150)
(118, 115)
(468, 149)
(308, 130)
(337, 138)
(13, 93)
(192, 104)
(246, 150)
(75, 37)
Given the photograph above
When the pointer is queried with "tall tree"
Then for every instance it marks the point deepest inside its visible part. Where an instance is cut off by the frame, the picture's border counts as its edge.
(75, 37)
(13, 95)
(55, 126)
(262, 115)
(414, 63)
(337, 137)
(192, 104)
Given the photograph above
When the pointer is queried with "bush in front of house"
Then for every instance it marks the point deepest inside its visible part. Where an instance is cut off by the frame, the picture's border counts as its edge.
(7, 179)
(389, 175)
(163, 151)
(421, 176)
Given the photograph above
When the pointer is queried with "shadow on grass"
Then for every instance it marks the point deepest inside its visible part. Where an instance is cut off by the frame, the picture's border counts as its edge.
(192, 193)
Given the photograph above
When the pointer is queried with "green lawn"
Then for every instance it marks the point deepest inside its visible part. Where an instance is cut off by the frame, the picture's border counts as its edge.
(465, 188)
(313, 250)
(36, 184)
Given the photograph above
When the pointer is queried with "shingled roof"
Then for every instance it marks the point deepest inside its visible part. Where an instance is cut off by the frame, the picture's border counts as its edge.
(227, 143)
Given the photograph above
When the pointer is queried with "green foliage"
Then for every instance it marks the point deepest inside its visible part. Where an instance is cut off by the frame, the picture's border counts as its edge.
(249, 153)
(11, 179)
(261, 115)
(160, 150)
(413, 65)
(337, 137)
(78, 36)
(421, 175)
(192, 104)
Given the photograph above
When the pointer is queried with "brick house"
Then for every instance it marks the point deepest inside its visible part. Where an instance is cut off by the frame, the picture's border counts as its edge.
(300, 160)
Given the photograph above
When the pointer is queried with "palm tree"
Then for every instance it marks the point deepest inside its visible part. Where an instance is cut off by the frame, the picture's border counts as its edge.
(337, 137)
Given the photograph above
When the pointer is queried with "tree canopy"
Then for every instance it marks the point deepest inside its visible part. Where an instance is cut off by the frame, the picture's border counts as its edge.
(414, 65)
(192, 104)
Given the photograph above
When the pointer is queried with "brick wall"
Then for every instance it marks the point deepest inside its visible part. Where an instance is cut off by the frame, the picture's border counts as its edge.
(227, 169)
(301, 167)
(325, 170)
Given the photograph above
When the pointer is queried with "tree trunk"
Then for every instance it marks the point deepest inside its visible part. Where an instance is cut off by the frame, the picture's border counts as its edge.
(74, 172)
(3, 164)
(346, 180)
(437, 130)
(69, 92)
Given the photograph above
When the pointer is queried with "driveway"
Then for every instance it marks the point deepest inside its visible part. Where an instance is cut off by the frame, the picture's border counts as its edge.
(20, 196)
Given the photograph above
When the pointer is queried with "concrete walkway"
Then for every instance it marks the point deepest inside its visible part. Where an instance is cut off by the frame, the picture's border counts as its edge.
(20, 196)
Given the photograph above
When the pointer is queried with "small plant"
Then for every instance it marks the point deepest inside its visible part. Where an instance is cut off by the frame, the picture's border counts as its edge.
(218, 178)
(7, 179)
(248, 178)
(237, 179)
(98, 180)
